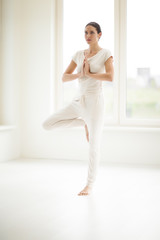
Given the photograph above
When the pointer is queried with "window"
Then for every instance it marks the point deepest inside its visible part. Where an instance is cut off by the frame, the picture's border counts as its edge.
(143, 51)
(130, 31)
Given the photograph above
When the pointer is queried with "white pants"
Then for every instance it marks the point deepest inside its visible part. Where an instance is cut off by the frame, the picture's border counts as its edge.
(86, 109)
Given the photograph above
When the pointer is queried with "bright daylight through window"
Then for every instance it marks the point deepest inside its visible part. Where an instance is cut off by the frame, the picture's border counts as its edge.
(143, 51)
(76, 15)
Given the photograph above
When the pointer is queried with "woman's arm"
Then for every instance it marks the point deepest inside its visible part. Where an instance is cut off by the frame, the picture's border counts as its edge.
(68, 74)
(108, 76)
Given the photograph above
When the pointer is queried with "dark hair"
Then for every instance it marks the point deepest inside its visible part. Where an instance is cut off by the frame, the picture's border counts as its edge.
(96, 25)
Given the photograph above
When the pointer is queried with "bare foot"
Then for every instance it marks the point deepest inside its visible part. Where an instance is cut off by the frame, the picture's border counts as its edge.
(85, 191)
(87, 133)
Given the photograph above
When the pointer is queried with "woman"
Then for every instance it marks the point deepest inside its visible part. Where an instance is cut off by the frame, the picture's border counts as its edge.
(94, 65)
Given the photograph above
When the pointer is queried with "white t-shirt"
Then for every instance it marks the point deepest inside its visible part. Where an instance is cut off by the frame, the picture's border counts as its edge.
(97, 65)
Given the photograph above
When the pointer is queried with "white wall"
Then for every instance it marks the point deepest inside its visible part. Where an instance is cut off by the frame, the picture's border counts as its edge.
(131, 145)
(36, 73)
(10, 78)
(0, 60)
(31, 95)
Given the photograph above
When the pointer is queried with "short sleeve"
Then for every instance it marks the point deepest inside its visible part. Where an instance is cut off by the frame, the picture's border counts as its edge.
(107, 55)
(74, 57)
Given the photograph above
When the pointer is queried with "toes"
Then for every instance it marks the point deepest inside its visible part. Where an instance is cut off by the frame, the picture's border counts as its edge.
(83, 193)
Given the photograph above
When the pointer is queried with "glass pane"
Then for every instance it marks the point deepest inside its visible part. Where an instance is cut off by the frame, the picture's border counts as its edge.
(76, 15)
(143, 51)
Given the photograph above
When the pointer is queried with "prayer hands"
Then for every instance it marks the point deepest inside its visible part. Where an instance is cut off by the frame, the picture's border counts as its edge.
(85, 70)
(86, 66)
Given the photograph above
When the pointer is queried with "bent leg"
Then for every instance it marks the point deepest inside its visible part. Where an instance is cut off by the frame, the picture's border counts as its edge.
(65, 117)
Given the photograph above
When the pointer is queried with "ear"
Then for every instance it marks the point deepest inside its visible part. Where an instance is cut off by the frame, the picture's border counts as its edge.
(100, 34)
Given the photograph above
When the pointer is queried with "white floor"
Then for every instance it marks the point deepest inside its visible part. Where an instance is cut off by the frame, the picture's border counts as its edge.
(39, 201)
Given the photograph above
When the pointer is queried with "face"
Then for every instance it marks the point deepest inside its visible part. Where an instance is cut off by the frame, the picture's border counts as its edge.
(91, 35)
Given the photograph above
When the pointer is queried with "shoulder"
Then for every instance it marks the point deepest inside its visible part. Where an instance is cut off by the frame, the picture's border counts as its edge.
(79, 52)
(77, 55)
(106, 53)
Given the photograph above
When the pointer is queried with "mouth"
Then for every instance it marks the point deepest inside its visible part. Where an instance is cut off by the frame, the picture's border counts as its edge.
(88, 40)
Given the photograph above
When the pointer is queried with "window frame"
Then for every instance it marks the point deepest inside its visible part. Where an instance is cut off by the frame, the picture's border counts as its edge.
(120, 65)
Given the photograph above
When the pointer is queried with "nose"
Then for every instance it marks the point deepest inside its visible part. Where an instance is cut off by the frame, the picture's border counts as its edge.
(88, 35)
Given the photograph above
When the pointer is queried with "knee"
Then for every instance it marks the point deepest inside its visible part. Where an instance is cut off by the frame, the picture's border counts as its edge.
(46, 126)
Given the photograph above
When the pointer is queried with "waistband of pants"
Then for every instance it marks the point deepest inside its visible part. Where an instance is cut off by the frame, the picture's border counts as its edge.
(83, 95)
(86, 93)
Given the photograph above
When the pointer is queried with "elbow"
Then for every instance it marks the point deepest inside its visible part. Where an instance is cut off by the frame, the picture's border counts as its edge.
(63, 78)
(111, 77)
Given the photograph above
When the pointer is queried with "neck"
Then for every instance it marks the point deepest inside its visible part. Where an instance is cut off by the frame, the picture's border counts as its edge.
(94, 48)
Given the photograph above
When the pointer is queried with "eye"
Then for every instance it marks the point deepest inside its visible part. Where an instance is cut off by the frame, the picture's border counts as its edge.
(92, 32)
(86, 32)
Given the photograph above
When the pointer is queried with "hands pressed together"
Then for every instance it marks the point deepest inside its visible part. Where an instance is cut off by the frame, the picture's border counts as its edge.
(85, 70)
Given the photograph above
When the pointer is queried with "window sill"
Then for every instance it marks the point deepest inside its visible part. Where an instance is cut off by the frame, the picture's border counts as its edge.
(122, 128)
(7, 127)
(132, 129)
